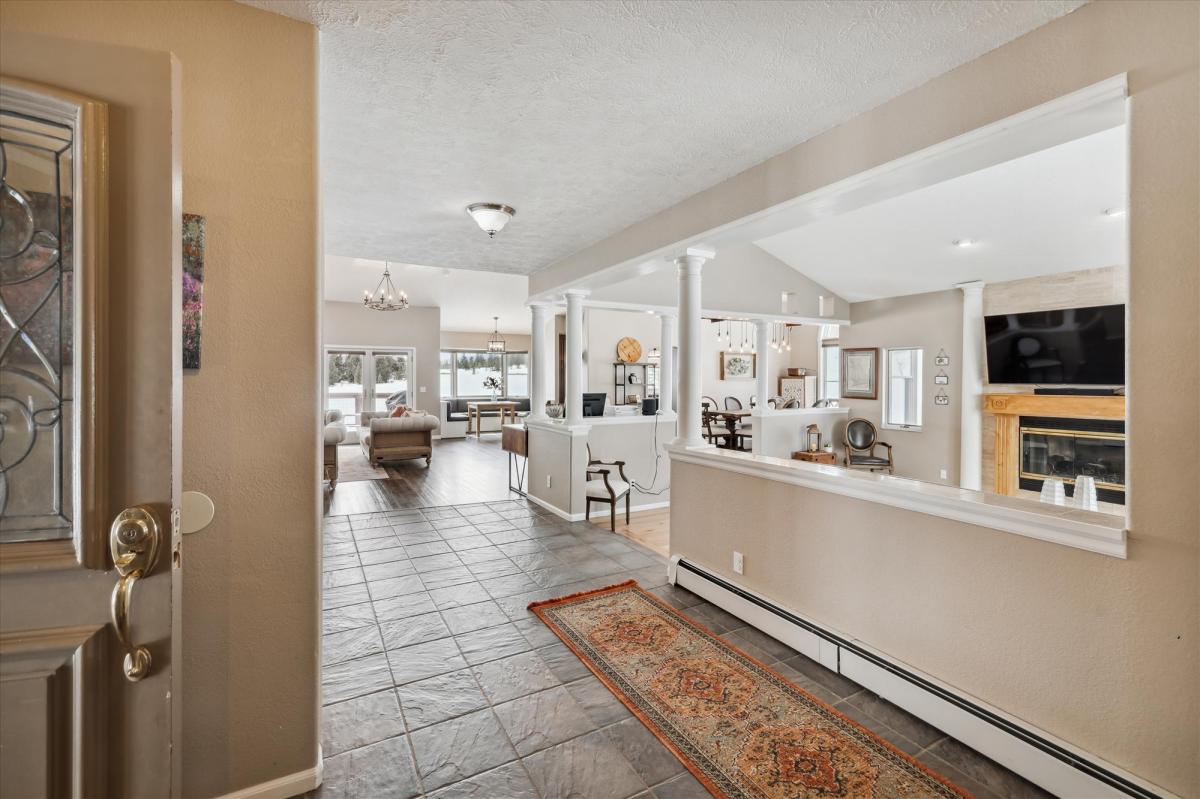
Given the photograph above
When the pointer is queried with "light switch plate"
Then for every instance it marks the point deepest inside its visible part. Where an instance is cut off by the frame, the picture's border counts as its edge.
(739, 563)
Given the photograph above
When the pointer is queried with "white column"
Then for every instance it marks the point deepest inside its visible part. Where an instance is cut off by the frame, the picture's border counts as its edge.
(970, 459)
(666, 364)
(575, 356)
(539, 361)
(762, 345)
(689, 265)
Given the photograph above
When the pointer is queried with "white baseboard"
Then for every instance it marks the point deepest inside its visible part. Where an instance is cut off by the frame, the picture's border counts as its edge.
(1038, 756)
(286, 786)
(596, 514)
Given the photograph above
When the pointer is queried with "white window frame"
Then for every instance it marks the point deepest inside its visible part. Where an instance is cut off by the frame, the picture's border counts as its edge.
(827, 339)
(454, 371)
(368, 384)
(919, 376)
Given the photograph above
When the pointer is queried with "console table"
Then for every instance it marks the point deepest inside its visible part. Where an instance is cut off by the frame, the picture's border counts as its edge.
(815, 457)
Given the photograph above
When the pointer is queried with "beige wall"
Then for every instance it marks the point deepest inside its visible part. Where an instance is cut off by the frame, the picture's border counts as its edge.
(249, 415)
(349, 324)
(932, 322)
(603, 329)
(1102, 652)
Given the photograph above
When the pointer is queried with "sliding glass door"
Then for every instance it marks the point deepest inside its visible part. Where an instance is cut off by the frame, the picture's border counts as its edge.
(364, 379)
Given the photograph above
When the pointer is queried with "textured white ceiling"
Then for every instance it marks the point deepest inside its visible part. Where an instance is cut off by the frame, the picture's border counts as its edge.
(589, 116)
(1039, 214)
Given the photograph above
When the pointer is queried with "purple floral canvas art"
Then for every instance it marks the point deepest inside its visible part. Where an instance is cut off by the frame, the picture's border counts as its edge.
(193, 288)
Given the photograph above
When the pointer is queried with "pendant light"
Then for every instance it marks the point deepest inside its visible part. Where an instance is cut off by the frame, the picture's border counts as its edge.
(496, 342)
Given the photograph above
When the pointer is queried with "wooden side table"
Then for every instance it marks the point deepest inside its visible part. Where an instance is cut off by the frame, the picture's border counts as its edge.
(816, 457)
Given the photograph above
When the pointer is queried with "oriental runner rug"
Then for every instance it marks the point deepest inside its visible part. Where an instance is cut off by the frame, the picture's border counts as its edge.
(741, 729)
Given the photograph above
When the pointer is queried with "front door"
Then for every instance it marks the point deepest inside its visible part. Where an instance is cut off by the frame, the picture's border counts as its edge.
(90, 380)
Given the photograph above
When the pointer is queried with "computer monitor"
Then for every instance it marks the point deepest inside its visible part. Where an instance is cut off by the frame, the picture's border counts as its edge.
(593, 404)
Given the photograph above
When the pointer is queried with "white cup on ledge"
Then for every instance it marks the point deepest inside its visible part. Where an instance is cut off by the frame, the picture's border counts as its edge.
(1054, 492)
(1085, 493)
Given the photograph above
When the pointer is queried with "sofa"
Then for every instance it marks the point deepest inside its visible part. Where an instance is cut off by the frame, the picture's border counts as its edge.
(384, 437)
(335, 434)
(454, 415)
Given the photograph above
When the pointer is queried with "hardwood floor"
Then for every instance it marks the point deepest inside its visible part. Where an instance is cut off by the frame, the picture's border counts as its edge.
(650, 528)
(463, 471)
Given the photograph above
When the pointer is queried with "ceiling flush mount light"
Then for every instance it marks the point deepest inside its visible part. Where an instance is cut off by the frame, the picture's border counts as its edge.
(963, 242)
(496, 342)
(385, 297)
(491, 217)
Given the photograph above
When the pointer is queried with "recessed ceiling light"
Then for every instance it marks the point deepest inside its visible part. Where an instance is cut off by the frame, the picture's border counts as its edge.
(1114, 212)
(491, 217)
(963, 242)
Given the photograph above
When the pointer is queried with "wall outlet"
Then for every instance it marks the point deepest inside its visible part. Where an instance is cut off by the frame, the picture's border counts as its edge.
(738, 563)
(547, 481)
(945, 474)
(422, 389)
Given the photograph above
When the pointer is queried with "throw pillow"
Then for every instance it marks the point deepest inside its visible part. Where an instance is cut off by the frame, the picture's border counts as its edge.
(399, 410)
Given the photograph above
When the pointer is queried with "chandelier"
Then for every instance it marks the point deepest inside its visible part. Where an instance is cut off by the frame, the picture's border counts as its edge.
(496, 342)
(385, 297)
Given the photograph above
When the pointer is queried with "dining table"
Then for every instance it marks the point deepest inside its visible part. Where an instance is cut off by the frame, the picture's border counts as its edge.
(731, 419)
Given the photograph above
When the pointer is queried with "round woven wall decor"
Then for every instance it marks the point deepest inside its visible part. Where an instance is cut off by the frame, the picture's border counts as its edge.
(629, 349)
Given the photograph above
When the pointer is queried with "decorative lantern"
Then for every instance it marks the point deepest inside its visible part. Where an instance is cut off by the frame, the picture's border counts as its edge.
(813, 433)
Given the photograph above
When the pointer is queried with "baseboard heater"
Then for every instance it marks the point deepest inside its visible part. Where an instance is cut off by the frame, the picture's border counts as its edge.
(1032, 753)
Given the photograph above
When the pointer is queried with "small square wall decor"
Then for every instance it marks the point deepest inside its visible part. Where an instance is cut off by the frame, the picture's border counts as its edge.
(193, 288)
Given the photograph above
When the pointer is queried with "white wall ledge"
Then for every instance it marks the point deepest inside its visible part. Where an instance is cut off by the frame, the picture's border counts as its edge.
(1095, 532)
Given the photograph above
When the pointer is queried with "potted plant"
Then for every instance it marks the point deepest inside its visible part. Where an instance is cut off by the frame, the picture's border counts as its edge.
(492, 383)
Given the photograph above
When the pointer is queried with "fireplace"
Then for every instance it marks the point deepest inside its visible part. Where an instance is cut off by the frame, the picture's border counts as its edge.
(1069, 448)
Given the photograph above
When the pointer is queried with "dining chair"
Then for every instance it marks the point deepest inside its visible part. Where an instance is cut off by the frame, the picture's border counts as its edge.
(721, 436)
(733, 404)
(599, 487)
(709, 403)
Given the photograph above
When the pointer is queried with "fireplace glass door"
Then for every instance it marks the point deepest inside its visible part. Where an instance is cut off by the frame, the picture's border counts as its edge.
(1069, 448)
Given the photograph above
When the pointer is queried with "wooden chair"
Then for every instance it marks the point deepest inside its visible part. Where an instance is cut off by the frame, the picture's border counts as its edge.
(600, 488)
(862, 437)
(720, 435)
(733, 404)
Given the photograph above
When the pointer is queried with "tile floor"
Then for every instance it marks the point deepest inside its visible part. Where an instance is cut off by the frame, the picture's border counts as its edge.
(439, 683)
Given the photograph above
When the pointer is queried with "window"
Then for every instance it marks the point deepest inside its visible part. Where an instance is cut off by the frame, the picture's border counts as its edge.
(358, 380)
(902, 388)
(463, 373)
(829, 364)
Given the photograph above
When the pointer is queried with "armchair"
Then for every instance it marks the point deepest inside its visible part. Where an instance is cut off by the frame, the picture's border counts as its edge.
(862, 437)
(388, 438)
(334, 434)
(600, 488)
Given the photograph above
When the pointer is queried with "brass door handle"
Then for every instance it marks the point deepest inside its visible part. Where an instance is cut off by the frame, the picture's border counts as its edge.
(133, 541)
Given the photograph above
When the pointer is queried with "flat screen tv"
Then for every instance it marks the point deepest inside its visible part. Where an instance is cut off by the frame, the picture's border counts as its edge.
(1071, 347)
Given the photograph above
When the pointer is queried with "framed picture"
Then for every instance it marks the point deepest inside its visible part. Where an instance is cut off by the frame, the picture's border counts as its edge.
(860, 372)
(738, 365)
(193, 288)
(941, 379)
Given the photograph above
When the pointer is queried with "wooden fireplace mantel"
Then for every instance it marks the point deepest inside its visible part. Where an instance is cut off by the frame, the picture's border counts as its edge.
(1008, 410)
(1055, 405)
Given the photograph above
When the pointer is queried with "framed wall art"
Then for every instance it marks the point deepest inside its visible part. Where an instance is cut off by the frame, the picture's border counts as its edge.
(860, 372)
(738, 365)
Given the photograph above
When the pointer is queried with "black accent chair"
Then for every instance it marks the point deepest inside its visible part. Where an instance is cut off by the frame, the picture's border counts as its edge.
(599, 488)
(862, 437)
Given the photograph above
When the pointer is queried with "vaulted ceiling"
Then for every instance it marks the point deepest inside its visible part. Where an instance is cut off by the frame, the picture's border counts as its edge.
(589, 116)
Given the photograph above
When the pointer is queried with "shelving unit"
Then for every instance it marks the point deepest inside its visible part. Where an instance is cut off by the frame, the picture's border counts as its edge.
(648, 374)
